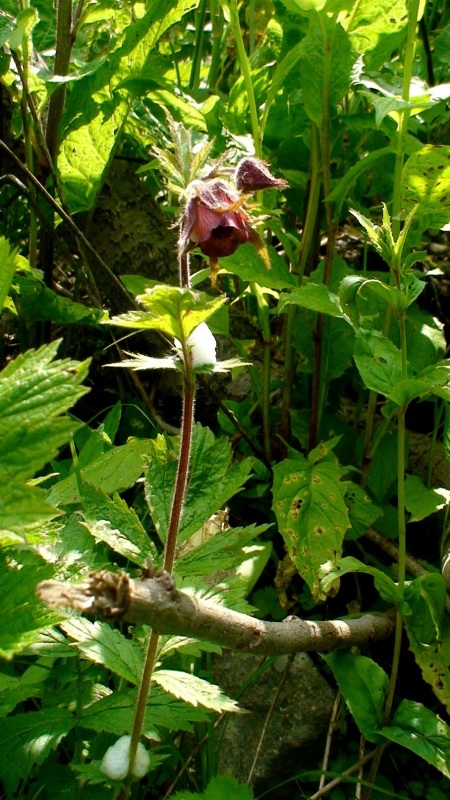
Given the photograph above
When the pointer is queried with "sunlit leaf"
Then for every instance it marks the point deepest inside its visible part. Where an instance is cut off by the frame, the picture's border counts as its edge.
(308, 501)
(194, 690)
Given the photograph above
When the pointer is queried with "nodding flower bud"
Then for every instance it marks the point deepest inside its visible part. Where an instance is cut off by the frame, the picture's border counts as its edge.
(252, 174)
(214, 220)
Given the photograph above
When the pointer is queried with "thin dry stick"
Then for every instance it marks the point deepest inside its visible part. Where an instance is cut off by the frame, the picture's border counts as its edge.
(268, 717)
(347, 772)
(67, 219)
(330, 732)
(389, 547)
(191, 756)
(362, 747)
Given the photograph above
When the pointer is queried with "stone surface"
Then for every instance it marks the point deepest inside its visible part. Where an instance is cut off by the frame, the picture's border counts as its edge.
(296, 728)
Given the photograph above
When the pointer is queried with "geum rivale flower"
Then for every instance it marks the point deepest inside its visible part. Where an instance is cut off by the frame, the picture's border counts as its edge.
(213, 219)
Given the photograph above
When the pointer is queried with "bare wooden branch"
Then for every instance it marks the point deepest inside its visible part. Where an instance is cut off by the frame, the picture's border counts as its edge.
(157, 602)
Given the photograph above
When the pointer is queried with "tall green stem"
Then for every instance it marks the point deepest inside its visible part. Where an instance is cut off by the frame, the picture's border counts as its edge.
(263, 308)
(317, 388)
(247, 77)
(396, 195)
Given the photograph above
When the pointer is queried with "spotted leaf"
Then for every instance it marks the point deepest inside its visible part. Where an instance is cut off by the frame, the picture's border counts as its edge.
(308, 501)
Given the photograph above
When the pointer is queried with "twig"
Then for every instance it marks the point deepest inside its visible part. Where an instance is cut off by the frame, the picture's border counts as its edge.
(389, 547)
(68, 220)
(336, 781)
(156, 602)
(330, 732)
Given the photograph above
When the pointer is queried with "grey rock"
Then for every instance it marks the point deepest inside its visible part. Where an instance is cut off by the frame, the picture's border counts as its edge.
(299, 719)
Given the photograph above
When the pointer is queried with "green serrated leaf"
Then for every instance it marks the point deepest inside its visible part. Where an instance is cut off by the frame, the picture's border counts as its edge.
(416, 727)
(308, 501)
(364, 686)
(23, 616)
(37, 302)
(96, 112)
(7, 269)
(426, 184)
(175, 312)
(27, 739)
(113, 471)
(105, 645)
(428, 629)
(22, 510)
(115, 713)
(248, 265)
(34, 387)
(112, 521)
(213, 480)
(194, 690)
(313, 296)
(325, 66)
(220, 788)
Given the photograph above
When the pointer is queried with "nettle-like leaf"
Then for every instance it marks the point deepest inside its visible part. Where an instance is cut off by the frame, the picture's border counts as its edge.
(309, 504)
(220, 788)
(364, 686)
(35, 390)
(100, 643)
(115, 713)
(97, 109)
(111, 520)
(114, 471)
(325, 67)
(171, 310)
(426, 184)
(213, 479)
(194, 690)
(7, 269)
(23, 616)
(428, 628)
(27, 739)
(416, 727)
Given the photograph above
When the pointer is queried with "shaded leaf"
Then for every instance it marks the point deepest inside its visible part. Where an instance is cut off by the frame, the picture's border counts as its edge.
(219, 788)
(105, 645)
(428, 628)
(112, 521)
(27, 739)
(213, 480)
(364, 686)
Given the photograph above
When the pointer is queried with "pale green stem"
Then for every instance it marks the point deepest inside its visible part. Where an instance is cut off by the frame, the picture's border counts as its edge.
(263, 308)
(396, 195)
(246, 74)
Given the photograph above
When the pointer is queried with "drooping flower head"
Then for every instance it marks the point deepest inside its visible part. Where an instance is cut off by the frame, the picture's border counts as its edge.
(214, 218)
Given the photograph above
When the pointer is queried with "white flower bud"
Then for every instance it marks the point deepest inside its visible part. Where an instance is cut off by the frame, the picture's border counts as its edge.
(116, 760)
(202, 346)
